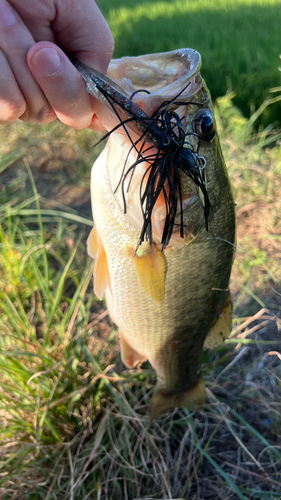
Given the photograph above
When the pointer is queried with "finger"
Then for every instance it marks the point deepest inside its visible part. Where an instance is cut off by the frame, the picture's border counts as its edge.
(13, 104)
(38, 17)
(96, 125)
(61, 84)
(15, 41)
(76, 26)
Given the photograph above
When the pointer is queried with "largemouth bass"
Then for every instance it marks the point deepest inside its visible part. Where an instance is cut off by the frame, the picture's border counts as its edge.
(164, 218)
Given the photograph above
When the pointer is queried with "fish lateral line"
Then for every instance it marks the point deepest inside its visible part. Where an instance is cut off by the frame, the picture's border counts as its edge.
(163, 130)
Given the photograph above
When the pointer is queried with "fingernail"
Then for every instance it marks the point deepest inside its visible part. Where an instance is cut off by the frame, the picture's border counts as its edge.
(7, 16)
(47, 61)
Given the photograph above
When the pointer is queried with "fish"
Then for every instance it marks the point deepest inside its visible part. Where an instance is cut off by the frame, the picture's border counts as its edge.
(164, 219)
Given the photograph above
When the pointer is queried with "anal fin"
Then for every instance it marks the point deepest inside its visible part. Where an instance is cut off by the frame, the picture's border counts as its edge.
(222, 327)
(129, 356)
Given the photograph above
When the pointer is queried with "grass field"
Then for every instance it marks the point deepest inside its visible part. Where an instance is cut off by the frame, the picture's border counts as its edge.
(239, 41)
(73, 422)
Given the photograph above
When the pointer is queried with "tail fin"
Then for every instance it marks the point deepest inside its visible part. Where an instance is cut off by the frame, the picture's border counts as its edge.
(191, 399)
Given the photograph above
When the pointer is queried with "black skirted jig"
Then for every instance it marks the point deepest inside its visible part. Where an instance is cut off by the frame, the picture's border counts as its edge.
(174, 154)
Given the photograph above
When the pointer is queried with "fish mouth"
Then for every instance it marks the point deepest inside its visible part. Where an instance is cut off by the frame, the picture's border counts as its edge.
(163, 75)
(167, 87)
(156, 70)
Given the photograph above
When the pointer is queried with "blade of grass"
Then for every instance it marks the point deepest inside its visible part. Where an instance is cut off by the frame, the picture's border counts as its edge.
(61, 284)
(45, 259)
(116, 395)
(221, 472)
(53, 213)
(256, 433)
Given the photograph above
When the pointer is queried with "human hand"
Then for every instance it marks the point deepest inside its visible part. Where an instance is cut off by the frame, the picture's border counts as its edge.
(38, 83)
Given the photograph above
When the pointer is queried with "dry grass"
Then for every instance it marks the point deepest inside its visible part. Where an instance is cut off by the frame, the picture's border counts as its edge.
(255, 170)
(74, 425)
(232, 449)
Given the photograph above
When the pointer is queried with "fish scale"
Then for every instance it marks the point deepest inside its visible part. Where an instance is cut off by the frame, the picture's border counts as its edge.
(166, 303)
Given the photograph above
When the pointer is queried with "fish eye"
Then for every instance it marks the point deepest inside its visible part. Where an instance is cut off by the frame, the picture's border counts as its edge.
(166, 141)
(204, 125)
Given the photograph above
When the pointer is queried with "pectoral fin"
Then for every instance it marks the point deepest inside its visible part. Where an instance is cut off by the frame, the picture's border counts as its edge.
(93, 243)
(151, 267)
(101, 273)
(96, 251)
(222, 327)
(129, 356)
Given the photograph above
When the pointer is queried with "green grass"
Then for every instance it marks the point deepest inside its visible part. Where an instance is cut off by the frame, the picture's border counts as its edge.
(239, 41)
(73, 422)
(254, 168)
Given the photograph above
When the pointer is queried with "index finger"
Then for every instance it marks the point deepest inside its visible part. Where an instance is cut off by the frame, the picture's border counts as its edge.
(78, 27)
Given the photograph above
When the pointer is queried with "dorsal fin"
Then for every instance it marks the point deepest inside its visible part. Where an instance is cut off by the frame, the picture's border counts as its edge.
(222, 327)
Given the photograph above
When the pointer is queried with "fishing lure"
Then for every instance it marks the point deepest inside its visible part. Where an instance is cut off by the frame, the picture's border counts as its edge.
(163, 132)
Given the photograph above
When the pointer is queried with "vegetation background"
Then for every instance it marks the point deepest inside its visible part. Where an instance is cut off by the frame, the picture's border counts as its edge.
(73, 423)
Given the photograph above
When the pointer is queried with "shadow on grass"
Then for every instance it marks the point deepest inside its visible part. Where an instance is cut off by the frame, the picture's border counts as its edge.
(240, 45)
